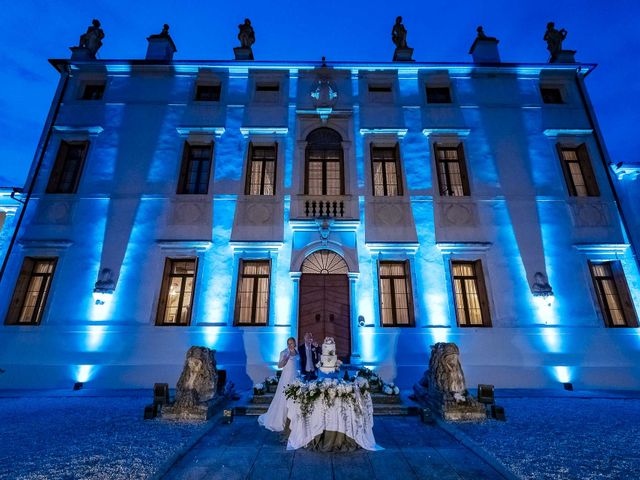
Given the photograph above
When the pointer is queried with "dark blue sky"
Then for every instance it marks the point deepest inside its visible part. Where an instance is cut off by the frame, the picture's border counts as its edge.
(603, 32)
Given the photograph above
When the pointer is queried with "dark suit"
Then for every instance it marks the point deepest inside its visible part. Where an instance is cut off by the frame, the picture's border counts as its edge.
(315, 358)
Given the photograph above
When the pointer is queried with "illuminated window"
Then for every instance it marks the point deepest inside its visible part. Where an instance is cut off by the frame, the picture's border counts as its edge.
(324, 158)
(261, 177)
(452, 170)
(32, 288)
(396, 302)
(267, 92)
(176, 293)
(252, 299)
(385, 165)
(196, 168)
(67, 169)
(438, 95)
(613, 294)
(93, 91)
(208, 93)
(578, 173)
(472, 307)
(551, 95)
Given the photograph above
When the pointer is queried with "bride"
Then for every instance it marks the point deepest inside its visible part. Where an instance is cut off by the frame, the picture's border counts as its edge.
(276, 416)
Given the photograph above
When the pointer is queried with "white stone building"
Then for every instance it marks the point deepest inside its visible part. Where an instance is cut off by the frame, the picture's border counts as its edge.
(391, 205)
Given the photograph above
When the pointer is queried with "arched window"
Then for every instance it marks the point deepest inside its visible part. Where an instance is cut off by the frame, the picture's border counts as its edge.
(324, 163)
(324, 262)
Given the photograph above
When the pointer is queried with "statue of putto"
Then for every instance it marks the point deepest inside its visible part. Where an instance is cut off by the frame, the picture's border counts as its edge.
(246, 35)
(399, 34)
(541, 285)
(92, 39)
(482, 35)
(554, 39)
(403, 52)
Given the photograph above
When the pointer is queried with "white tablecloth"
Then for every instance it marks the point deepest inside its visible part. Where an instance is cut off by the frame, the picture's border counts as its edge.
(342, 417)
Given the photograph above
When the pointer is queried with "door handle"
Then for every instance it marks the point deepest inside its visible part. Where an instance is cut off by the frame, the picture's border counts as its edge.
(317, 317)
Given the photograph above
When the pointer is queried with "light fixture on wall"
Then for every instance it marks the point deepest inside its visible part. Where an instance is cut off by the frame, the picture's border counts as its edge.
(542, 291)
(104, 287)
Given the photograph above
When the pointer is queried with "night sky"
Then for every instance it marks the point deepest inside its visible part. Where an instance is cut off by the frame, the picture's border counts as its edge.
(603, 32)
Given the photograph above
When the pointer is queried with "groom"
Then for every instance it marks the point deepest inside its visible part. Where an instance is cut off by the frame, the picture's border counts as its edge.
(309, 357)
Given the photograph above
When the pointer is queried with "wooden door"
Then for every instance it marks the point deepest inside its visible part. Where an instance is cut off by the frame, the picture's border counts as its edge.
(324, 310)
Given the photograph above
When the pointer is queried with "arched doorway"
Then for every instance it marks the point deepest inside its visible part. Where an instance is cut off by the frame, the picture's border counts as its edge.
(324, 300)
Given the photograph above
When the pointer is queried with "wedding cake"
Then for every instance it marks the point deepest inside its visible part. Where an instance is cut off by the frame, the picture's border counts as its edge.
(329, 362)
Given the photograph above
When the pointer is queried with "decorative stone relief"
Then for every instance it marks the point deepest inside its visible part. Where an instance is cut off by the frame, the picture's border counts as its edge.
(259, 214)
(187, 213)
(457, 215)
(56, 213)
(389, 214)
(589, 215)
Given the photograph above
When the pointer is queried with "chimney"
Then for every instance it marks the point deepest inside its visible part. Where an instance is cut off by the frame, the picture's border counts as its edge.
(484, 48)
(161, 46)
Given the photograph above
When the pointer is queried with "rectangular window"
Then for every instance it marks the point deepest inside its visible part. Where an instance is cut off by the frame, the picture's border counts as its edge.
(551, 95)
(452, 170)
(176, 292)
(438, 95)
(252, 299)
(324, 172)
(30, 295)
(67, 168)
(472, 306)
(613, 294)
(196, 168)
(93, 91)
(380, 88)
(261, 175)
(578, 172)
(267, 87)
(385, 164)
(208, 93)
(396, 301)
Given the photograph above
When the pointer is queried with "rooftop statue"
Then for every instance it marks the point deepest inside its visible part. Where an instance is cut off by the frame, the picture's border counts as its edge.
(246, 35)
(482, 35)
(165, 31)
(92, 39)
(399, 34)
(554, 39)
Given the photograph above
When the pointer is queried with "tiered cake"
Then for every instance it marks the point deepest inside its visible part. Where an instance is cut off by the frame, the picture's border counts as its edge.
(329, 362)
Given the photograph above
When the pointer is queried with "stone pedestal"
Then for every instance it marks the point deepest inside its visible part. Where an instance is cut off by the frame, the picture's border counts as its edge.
(243, 53)
(564, 56)
(443, 388)
(161, 47)
(81, 53)
(403, 55)
(485, 50)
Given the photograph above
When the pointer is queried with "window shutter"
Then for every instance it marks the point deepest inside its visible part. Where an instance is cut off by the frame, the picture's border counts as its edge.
(208, 173)
(398, 170)
(463, 170)
(587, 171)
(441, 188)
(275, 168)
(164, 290)
(407, 278)
(20, 291)
(565, 170)
(184, 168)
(58, 167)
(76, 180)
(373, 171)
(625, 296)
(482, 293)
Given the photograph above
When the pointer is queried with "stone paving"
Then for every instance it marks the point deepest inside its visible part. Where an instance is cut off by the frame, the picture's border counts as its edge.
(412, 450)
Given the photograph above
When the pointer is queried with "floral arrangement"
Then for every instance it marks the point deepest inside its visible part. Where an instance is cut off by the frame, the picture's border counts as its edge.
(390, 389)
(258, 389)
(327, 390)
(272, 380)
(374, 380)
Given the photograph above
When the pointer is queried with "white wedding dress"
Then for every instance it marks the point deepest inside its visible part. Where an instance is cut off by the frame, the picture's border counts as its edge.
(276, 416)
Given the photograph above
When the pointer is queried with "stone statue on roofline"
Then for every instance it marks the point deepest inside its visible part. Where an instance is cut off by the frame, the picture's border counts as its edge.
(92, 38)
(403, 52)
(554, 39)
(247, 38)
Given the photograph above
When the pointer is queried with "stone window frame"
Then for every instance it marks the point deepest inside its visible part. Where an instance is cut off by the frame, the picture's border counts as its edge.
(164, 291)
(585, 161)
(248, 170)
(240, 275)
(409, 286)
(186, 161)
(457, 144)
(623, 293)
(60, 163)
(481, 289)
(400, 186)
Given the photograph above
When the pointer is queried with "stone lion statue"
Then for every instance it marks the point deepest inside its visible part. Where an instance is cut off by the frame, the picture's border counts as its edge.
(445, 372)
(199, 378)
